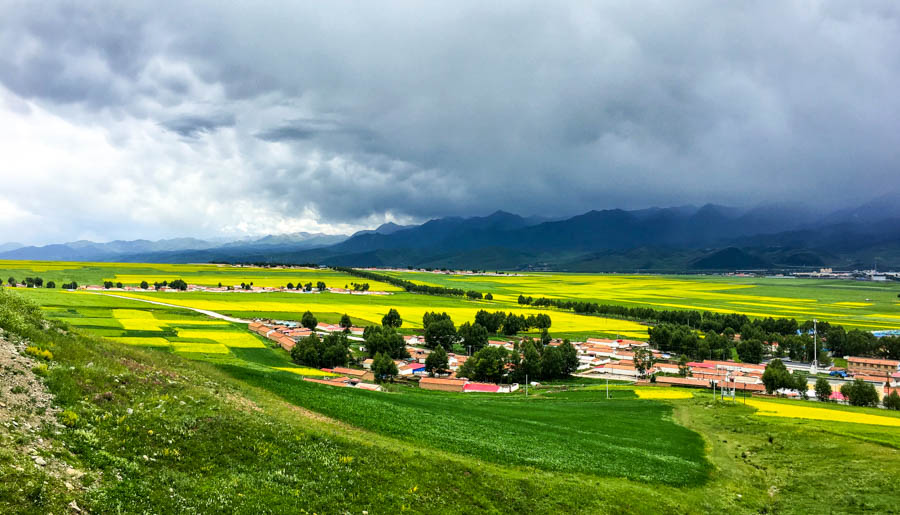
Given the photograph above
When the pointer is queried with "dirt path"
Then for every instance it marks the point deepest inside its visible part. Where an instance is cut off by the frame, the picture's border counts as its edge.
(206, 312)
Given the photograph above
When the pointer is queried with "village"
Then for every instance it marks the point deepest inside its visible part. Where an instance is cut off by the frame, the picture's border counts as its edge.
(599, 358)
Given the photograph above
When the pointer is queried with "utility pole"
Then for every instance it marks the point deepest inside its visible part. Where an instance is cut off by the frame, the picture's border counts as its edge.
(815, 361)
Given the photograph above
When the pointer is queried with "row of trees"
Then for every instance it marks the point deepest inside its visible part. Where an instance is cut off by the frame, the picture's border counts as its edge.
(408, 286)
(305, 287)
(794, 338)
(681, 339)
(31, 282)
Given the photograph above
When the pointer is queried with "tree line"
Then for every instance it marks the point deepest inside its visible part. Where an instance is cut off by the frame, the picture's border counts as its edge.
(412, 287)
(676, 331)
(31, 282)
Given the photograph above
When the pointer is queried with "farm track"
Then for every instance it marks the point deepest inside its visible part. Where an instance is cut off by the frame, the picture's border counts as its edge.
(206, 312)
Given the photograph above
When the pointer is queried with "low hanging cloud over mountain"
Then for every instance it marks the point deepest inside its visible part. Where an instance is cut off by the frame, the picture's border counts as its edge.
(207, 118)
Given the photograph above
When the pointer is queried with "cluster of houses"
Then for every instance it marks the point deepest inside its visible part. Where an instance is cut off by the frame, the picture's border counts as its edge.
(598, 357)
(233, 289)
(288, 333)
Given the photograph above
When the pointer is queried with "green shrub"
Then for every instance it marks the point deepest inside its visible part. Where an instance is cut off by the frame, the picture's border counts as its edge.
(68, 418)
(37, 352)
(40, 369)
(892, 401)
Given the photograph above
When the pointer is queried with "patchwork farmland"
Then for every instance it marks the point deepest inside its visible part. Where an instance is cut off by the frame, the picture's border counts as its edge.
(161, 389)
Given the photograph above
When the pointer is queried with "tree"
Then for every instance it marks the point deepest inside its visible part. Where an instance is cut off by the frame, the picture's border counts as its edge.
(542, 321)
(683, 369)
(488, 364)
(118, 285)
(335, 350)
(570, 357)
(552, 363)
(488, 296)
(490, 321)
(144, 285)
(384, 340)
(178, 284)
(801, 383)
(440, 333)
(892, 401)
(430, 317)
(320, 286)
(513, 324)
(384, 368)
(346, 323)
(643, 361)
(437, 363)
(289, 286)
(474, 337)
(860, 393)
(11, 281)
(776, 376)
(531, 362)
(823, 389)
(51, 284)
(309, 321)
(306, 352)
(750, 351)
(392, 319)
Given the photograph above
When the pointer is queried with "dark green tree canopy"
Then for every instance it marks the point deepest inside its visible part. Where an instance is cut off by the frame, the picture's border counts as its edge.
(309, 321)
(392, 319)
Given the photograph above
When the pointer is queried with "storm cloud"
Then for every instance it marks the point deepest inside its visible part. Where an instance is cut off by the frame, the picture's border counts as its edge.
(207, 119)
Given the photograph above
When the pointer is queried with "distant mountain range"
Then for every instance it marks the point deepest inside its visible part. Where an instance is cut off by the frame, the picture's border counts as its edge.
(673, 239)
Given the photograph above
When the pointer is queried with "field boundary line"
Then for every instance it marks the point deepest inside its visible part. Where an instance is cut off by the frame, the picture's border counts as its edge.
(206, 312)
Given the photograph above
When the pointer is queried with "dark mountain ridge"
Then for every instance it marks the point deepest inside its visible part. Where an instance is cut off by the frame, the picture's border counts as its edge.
(681, 238)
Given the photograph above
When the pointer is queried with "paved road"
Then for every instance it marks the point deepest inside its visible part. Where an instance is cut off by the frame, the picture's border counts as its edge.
(206, 312)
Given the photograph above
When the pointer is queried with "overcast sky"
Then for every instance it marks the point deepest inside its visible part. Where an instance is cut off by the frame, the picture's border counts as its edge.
(228, 118)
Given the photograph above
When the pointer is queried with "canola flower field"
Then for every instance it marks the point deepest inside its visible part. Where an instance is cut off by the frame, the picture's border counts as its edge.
(854, 304)
(817, 411)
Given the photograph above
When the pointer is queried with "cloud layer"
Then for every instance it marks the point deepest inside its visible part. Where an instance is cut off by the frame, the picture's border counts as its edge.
(209, 119)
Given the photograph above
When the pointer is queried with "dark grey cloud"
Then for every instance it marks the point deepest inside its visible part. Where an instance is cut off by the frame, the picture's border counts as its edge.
(193, 126)
(355, 112)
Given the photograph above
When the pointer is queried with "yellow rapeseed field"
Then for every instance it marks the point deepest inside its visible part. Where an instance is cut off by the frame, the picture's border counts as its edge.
(207, 348)
(777, 409)
(138, 340)
(663, 393)
(229, 338)
(305, 371)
